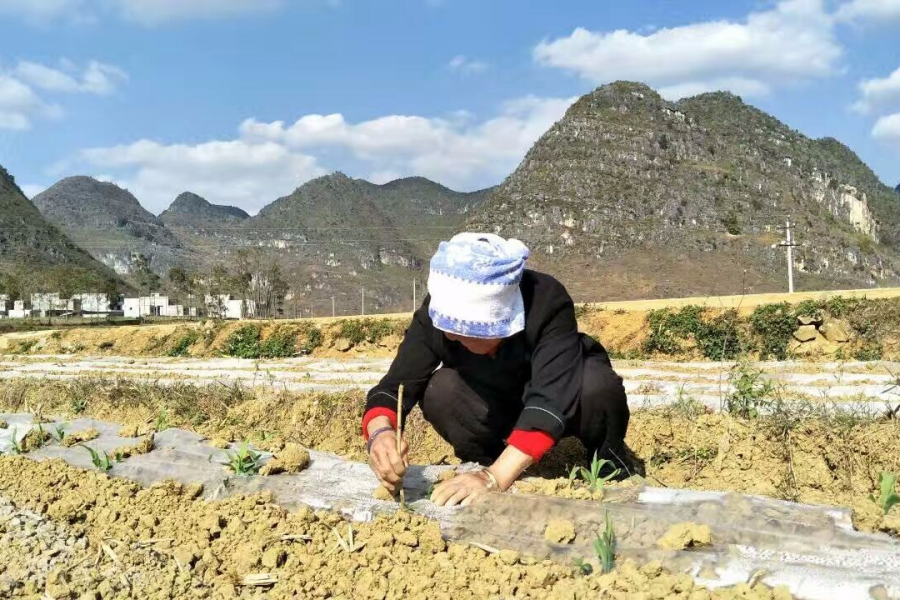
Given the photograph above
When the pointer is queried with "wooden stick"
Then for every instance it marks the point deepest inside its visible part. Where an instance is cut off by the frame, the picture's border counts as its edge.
(400, 437)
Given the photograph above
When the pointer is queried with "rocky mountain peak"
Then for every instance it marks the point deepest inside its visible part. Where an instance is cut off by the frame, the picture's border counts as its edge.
(191, 204)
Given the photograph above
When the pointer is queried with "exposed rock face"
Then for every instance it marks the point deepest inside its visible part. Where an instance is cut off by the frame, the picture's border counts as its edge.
(631, 196)
(41, 253)
(110, 223)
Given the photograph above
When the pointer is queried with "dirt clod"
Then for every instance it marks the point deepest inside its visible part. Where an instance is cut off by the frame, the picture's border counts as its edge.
(142, 447)
(381, 493)
(560, 531)
(292, 459)
(682, 536)
(79, 437)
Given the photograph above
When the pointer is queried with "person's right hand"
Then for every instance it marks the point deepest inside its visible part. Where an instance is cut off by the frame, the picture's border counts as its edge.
(389, 465)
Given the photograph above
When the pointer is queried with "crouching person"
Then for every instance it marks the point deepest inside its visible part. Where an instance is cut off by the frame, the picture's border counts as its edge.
(496, 363)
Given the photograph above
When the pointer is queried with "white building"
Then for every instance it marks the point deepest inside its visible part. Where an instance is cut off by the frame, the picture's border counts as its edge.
(47, 305)
(154, 305)
(21, 310)
(5, 306)
(94, 304)
(225, 306)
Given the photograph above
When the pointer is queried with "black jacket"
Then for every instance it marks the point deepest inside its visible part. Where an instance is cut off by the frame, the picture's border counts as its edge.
(538, 371)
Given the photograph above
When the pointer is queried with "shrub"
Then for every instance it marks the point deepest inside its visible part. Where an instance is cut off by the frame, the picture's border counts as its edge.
(752, 391)
(773, 324)
(243, 342)
(367, 330)
(183, 344)
(717, 339)
(280, 343)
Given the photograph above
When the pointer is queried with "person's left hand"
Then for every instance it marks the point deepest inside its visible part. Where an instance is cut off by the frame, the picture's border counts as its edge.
(462, 489)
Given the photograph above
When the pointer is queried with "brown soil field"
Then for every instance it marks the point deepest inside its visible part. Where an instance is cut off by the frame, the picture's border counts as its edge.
(817, 459)
(161, 542)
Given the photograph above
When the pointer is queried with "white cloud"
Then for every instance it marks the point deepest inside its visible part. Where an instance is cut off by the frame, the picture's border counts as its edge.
(870, 11)
(792, 42)
(462, 64)
(97, 77)
(42, 12)
(21, 103)
(236, 172)
(887, 129)
(458, 152)
(156, 12)
(269, 160)
(879, 94)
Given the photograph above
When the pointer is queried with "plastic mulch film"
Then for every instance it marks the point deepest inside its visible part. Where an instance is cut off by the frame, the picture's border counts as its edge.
(805, 547)
(811, 549)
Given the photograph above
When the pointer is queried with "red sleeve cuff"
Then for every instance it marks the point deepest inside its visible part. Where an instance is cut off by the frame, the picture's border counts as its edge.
(378, 411)
(533, 443)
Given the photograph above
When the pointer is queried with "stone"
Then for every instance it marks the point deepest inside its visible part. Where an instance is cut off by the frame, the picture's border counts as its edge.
(343, 345)
(815, 318)
(835, 331)
(805, 333)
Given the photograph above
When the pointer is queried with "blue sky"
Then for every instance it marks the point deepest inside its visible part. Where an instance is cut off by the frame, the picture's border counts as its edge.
(241, 101)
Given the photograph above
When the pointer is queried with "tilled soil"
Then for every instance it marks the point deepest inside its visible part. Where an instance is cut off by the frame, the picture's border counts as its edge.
(811, 460)
(80, 534)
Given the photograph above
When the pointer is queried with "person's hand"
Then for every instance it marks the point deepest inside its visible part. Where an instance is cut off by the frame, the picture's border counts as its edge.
(386, 463)
(462, 489)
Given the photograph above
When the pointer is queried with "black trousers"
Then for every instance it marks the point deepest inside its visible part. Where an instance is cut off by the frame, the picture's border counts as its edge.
(477, 426)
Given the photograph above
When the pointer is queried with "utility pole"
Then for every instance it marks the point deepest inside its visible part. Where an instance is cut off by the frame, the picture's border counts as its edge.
(790, 245)
(332, 306)
(363, 302)
(414, 294)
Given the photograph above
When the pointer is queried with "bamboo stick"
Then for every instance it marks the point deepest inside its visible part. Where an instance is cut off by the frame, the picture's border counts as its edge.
(400, 438)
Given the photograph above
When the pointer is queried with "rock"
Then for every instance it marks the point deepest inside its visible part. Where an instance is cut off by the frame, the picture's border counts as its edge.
(4, 424)
(805, 333)
(560, 531)
(185, 557)
(685, 535)
(815, 318)
(343, 345)
(221, 443)
(835, 331)
(389, 341)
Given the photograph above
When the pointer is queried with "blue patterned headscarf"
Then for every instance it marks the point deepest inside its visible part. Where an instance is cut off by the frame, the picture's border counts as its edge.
(474, 286)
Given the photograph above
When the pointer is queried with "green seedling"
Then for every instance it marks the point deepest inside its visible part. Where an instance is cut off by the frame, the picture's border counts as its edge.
(16, 445)
(583, 567)
(244, 461)
(60, 432)
(162, 420)
(888, 497)
(592, 476)
(101, 461)
(78, 405)
(605, 547)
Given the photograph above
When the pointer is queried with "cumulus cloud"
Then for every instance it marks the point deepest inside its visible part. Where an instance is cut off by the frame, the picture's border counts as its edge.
(879, 94)
(96, 78)
(460, 151)
(236, 172)
(20, 105)
(887, 129)
(462, 64)
(23, 89)
(794, 41)
(870, 11)
(268, 160)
